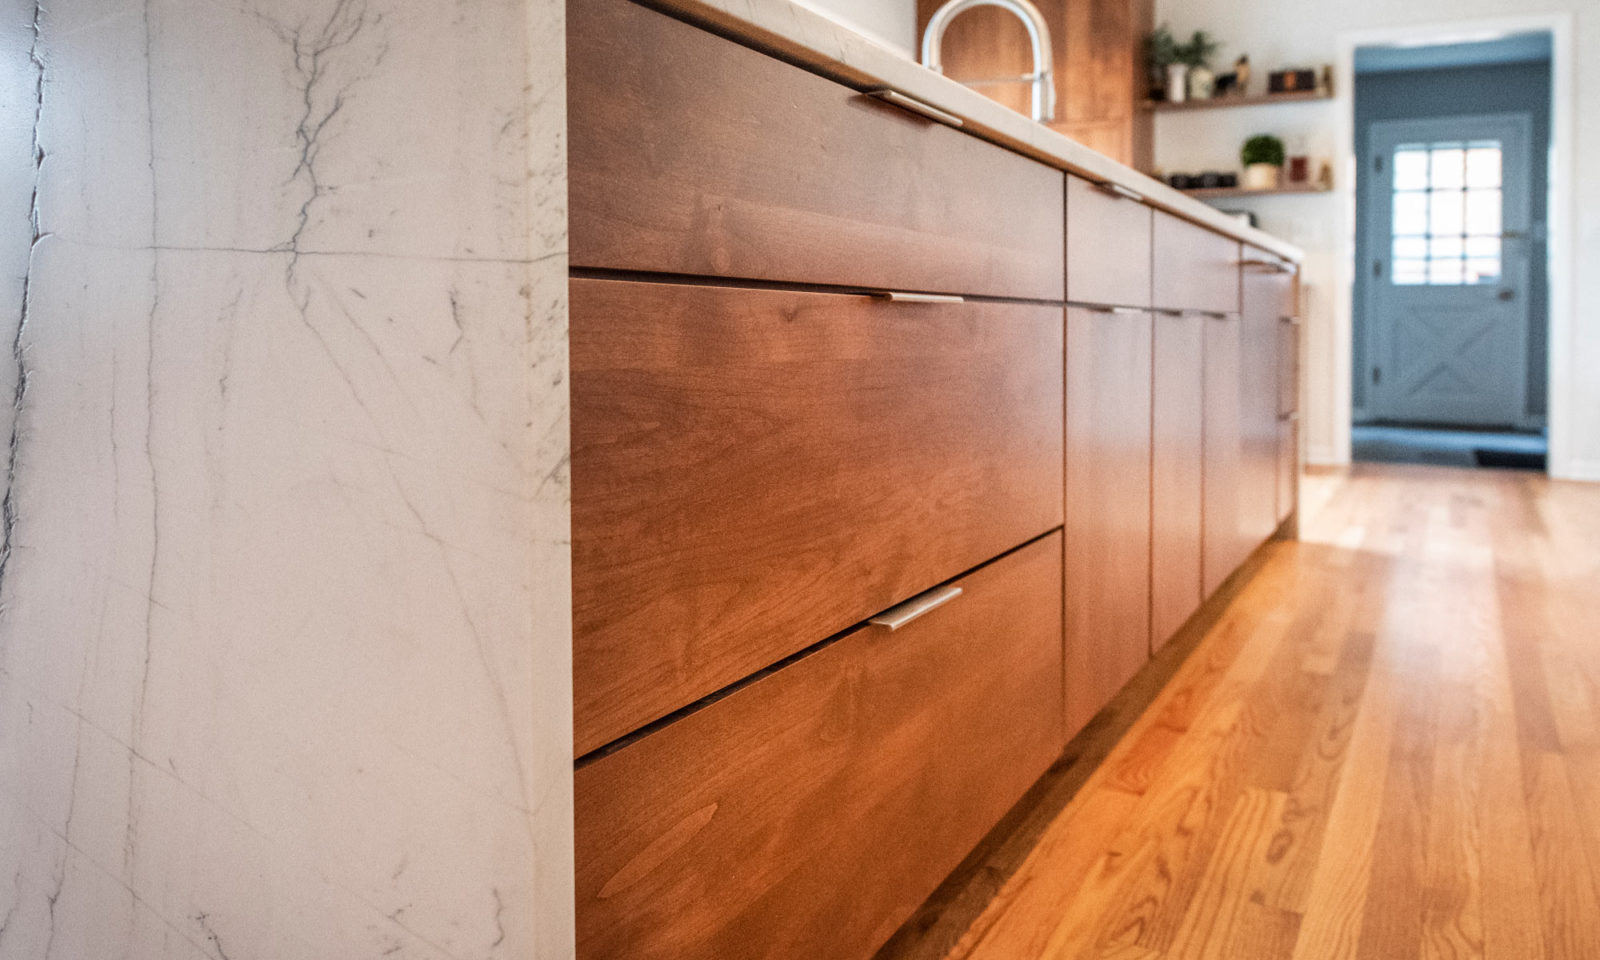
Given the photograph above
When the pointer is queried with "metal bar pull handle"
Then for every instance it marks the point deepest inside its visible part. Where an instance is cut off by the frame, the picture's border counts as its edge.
(1120, 311)
(1291, 417)
(1291, 321)
(1118, 190)
(916, 106)
(903, 296)
(918, 606)
(1277, 265)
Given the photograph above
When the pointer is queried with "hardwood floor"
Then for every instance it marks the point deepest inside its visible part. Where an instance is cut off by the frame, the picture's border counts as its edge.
(1387, 745)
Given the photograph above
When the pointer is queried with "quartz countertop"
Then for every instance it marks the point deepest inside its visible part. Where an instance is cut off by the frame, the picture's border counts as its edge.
(803, 36)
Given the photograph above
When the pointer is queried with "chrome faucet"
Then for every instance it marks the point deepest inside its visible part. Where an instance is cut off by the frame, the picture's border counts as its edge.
(1043, 75)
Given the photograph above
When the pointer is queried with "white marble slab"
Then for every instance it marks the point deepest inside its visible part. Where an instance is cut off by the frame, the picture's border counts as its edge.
(805, 36)
(284, 625)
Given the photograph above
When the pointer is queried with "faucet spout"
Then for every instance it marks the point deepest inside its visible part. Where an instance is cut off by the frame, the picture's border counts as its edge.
(1043, 76)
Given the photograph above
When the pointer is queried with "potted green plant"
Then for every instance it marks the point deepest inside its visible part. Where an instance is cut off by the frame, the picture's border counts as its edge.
(1161, 53)
(1196, 56)
(1262, 157)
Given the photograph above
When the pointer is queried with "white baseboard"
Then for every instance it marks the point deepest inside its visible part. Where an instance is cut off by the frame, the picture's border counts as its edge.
(1583, 470)
(1324, 457)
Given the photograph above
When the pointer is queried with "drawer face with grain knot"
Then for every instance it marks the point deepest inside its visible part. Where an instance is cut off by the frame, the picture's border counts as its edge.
(691, 154)
(809, 812)
(756, 470)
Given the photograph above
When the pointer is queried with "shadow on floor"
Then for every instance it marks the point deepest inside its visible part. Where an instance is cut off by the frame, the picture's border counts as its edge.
(1448, 448)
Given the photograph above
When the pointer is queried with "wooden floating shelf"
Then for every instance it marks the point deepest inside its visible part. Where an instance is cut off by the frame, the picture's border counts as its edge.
(1225, 101)
(1213, 193)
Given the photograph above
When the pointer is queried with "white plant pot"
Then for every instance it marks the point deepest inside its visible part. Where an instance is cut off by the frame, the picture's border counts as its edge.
(1262, 176)
(1177, 82)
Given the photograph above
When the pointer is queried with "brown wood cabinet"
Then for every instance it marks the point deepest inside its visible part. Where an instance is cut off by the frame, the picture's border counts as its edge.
(1288, 466)
(1107, 505)
(1194, 269)
(1177, 467)
(1224, 549)
(809, 812)
(1108, 246)
(1265, 291)
(690, 154)
(754, 470)
(1099, 61)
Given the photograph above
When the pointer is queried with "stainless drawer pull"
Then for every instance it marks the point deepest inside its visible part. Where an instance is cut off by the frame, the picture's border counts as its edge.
(1168, 312)
(1277, 265)
(1291, 321)
(1120, 311)
(896, 617)
(1290, 417)
(1215, 314)
(902, 296)
(1118, 190)
(916, 106)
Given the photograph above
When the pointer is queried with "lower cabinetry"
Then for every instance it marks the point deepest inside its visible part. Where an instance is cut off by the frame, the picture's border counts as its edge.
(808, 812)
(755, 470)
(1107, 504)
(1224, 548)
(1177, 464)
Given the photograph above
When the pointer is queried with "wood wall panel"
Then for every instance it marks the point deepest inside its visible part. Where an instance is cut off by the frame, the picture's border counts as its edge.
(1098, 48)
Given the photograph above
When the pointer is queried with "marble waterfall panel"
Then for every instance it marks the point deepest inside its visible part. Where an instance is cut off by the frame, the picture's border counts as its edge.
(284, 624)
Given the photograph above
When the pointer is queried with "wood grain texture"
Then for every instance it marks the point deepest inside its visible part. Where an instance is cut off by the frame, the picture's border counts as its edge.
(1195, 269)
(691, 154)
(1108, 247)
(1177, 466)
(1223, 470)
(1099, 61)
(1263, 295)
(1107, 506)
(809, 812)
(754, 470)
(1383, 748)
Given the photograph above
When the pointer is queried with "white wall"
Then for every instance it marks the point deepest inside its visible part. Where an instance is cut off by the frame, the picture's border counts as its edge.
(284, 625)
(1302, 32)
(893, 22)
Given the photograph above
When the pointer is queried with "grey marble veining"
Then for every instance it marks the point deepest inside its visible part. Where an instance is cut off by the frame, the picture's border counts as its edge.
(284, 577)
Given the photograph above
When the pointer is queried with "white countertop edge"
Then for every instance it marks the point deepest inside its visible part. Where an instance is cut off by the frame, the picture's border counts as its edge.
(801, 35)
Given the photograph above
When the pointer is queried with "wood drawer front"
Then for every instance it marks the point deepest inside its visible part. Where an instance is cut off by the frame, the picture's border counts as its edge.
(1194, 268)
(1177, 465)
(810, 812)
(756, 470)
(1288, 367)
(1108, 246)
(692, 154)
(1288, 467)
(1107, 593)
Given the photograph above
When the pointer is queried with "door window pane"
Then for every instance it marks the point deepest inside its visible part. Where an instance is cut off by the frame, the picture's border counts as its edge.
(1447, 209)
(1449, 167)
(1411, 169)
(1410, 214)
(1444, 212)
(1410, 248)
(1483, 166)
(1483, 213)
(1409, 273)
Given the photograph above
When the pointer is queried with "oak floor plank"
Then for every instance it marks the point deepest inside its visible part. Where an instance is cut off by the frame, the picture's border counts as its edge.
(1386, 746)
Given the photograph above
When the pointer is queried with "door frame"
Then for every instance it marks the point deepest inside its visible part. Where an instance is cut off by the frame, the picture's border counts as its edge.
(1380, 335)
(1334, 437)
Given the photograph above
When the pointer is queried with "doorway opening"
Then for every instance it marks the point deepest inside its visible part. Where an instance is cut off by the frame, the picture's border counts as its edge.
(1451, 305)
